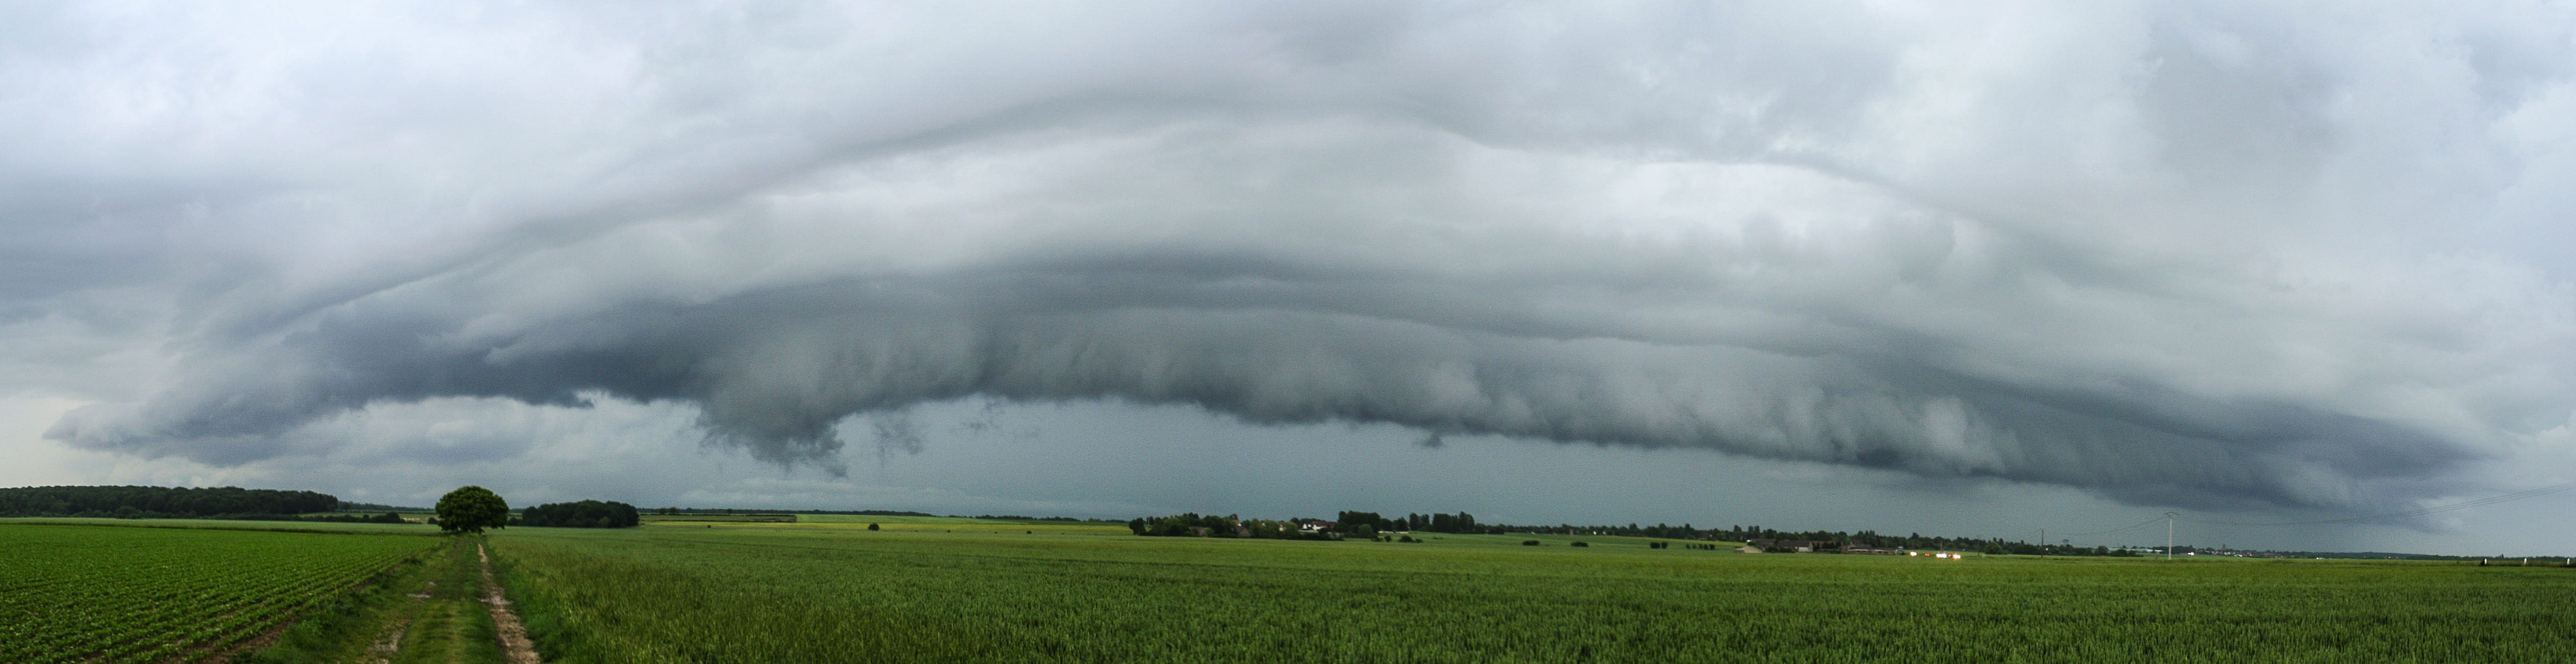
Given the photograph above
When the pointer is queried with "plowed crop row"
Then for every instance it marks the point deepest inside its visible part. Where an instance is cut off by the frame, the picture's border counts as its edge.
(118, 594)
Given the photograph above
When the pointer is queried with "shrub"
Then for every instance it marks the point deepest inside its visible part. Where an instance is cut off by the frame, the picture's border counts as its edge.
(1581, 544)
(1529, 542)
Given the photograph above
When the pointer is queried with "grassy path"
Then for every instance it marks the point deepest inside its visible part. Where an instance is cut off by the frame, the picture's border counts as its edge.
(429, 613)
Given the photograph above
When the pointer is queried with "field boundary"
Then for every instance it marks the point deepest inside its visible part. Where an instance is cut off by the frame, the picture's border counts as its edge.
(256, 643)
(270, 637)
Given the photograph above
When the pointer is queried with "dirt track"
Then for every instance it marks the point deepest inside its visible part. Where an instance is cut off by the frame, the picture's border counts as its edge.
(514, 636)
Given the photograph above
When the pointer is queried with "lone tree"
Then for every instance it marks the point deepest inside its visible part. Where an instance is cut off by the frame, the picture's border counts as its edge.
(471, 509)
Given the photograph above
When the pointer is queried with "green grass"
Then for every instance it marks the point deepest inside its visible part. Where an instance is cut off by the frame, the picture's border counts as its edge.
(969, 590)
(427, 613)
(451, 624)
(90, 593)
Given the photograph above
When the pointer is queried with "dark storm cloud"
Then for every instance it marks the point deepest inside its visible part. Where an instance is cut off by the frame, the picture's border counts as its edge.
(2172, 255)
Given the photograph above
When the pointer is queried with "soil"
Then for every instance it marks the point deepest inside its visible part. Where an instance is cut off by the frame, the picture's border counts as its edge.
(514, 636)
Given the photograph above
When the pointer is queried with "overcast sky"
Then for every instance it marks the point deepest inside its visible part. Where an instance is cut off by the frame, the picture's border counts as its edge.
(1973, 270)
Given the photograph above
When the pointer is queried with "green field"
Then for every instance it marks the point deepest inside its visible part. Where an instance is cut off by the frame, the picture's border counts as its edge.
(933, 589)
(428, 613)
(120, 593)
(826, 589)
(722, 518)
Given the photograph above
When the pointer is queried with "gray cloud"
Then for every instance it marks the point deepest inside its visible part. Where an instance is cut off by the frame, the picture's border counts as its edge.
(2173, 255)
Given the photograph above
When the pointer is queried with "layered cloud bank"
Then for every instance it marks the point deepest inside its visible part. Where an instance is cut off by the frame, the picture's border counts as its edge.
(2201, 256)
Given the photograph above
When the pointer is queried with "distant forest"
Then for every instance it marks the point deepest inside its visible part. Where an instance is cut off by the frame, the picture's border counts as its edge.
(579, 514)
(160, 502)
(346, 506)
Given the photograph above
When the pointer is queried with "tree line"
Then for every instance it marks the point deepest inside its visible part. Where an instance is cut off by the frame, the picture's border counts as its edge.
(346, 506)
(580, 514)
(1346, 524)
(1193, 524)
(160, 502)
(1875, 540)
(1370, 524)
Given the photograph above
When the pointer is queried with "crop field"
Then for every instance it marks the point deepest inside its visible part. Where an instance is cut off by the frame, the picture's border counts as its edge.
(929, 589)
(723, 518)
(827, 589)
(951, 524)
(100, 593)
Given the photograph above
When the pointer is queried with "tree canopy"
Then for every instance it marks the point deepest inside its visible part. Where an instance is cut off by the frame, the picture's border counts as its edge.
(581, 514)
(471, 509)
(159, 501)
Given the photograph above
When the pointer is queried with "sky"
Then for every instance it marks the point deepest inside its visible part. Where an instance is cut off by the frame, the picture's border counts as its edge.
(1969, 269)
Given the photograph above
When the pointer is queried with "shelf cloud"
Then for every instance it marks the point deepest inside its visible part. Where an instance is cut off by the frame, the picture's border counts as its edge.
(2180, 255)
